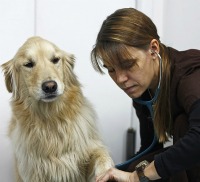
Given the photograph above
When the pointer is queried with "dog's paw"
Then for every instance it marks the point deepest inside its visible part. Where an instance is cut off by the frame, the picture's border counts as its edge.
(103, 168)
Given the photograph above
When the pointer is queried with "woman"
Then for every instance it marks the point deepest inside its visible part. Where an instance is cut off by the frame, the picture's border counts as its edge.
(129, 48)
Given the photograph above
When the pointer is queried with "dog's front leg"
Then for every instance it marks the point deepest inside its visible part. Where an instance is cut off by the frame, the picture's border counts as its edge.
(100, 161)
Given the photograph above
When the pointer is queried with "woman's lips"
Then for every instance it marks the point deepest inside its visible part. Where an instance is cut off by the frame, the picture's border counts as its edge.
(130, 89)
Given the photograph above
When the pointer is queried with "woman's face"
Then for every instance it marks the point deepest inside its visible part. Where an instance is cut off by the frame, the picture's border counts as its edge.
(137, 73)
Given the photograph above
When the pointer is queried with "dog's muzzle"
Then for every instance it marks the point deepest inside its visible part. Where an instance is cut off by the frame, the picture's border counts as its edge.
(49, 89)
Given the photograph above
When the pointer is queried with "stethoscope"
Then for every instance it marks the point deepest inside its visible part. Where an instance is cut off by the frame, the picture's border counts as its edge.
(149, 105)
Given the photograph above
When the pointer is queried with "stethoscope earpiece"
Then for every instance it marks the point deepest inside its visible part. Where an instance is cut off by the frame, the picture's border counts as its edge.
(153, 52)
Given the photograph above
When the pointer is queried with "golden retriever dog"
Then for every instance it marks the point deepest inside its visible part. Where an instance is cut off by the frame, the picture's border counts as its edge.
(53, 129)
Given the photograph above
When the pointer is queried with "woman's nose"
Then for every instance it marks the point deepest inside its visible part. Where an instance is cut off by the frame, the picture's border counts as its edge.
(121, 76)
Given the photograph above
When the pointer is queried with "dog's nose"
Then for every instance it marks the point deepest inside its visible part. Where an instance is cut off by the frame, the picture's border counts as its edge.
(49, 86)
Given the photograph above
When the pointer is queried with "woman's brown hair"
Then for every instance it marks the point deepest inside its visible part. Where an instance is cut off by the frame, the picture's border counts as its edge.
(130, 27)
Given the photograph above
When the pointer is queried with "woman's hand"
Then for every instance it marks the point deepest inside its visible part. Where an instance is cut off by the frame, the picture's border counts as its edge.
(114, 174)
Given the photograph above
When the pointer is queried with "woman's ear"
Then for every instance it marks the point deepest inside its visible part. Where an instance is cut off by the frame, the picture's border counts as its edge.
(8, 73)
(154, 46)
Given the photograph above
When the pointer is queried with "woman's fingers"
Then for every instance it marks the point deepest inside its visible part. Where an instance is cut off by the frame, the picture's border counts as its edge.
(114, 174)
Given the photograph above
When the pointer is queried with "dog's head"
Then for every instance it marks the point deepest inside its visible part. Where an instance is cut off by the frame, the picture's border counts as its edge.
(39, 70)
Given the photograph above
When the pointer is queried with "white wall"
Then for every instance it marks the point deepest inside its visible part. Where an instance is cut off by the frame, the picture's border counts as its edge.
(73, 25)
(182, 25)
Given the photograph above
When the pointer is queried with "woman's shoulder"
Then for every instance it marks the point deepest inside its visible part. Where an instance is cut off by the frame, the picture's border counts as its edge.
(187, 57)
(185, 74)
(184, 62)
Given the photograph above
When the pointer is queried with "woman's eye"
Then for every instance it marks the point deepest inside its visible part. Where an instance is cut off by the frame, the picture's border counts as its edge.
(29, 64)
(110, 70)
(55, 60)
(128, 65)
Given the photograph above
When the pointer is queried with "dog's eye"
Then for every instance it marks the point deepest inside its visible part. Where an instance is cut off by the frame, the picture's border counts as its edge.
(55, 60)
(29, 64)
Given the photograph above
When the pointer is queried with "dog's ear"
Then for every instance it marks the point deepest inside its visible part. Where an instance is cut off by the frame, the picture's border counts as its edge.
(8, 73)
(69, 58)
(68, 65)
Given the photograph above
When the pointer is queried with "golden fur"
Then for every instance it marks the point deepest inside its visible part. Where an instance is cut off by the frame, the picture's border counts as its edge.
(53, 128)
